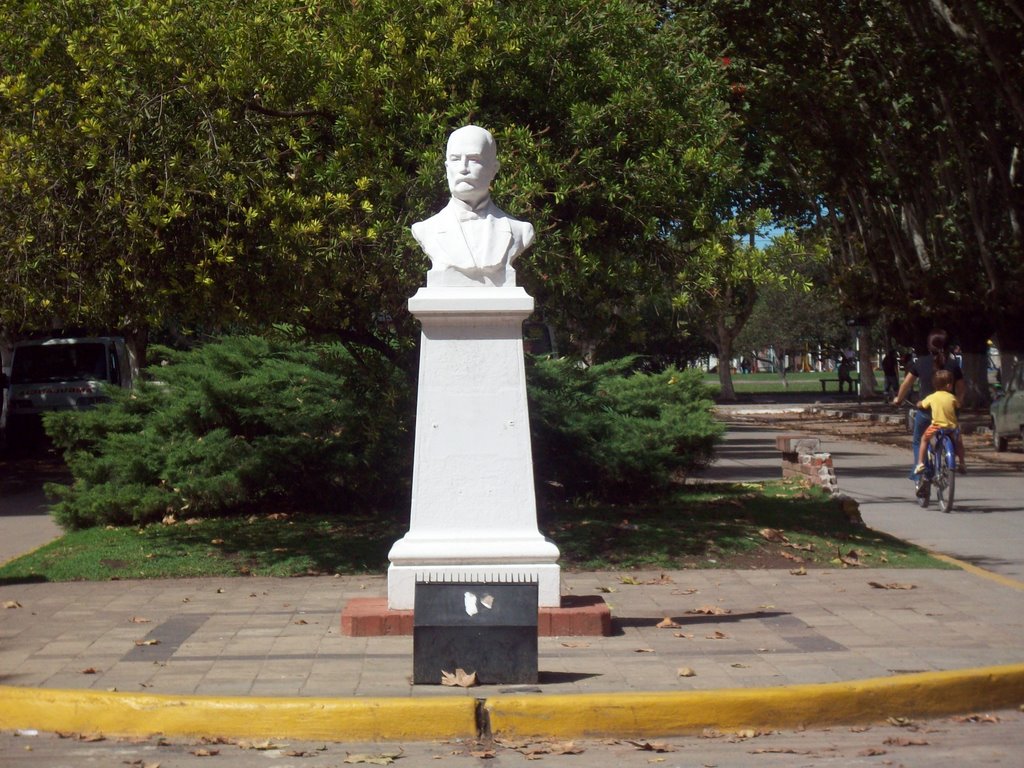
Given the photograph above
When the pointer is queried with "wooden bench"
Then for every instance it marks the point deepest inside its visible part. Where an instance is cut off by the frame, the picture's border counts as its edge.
(854, 384)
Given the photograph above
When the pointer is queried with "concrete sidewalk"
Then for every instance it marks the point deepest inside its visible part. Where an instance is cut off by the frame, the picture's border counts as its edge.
(754, 630)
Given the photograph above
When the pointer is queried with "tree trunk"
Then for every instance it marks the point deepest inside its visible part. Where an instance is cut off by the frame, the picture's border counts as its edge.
(723, 343)
(975, 368)
(137, 342)
(867, 372)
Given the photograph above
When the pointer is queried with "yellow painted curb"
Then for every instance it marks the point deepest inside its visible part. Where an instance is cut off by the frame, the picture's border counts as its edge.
(125, 714)
(668, 714)
(557, 716)
(998, 578)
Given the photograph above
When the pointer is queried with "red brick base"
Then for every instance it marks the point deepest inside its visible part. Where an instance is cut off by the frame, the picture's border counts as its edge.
(578, 616)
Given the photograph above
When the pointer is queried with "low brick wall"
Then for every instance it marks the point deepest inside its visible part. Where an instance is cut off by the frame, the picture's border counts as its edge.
(803, 458)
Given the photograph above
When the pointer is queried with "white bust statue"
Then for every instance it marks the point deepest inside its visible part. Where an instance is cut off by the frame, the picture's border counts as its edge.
(472, 242)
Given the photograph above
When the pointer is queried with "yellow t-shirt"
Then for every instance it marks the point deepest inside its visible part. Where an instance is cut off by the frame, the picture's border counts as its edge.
(943, 407)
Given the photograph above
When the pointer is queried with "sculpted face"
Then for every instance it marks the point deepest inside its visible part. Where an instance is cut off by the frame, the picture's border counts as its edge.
(471, 163)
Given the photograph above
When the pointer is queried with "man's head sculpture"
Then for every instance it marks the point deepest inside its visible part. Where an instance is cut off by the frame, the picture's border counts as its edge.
(471, 163)
(471, 242)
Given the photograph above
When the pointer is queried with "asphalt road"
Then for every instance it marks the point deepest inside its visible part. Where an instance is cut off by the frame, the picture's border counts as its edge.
(984, 740)
(25, 522)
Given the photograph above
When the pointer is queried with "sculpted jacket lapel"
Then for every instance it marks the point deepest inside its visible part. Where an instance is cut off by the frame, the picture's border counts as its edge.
(496, 242)
(497, 239)
(453, 243)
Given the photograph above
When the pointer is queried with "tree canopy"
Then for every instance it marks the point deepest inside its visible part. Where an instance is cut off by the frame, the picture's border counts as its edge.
(219, 165)
(223, 166)
(897, 128)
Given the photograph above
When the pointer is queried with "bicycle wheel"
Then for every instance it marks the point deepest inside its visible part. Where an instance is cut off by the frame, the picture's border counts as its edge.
(924, 491)
(945, 479)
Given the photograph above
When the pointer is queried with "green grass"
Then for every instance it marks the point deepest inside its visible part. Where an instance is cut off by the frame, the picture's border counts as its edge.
(771, 383)
(702, 526)
(721, 525)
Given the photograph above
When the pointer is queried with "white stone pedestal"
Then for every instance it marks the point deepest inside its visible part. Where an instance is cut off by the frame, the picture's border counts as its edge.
(474, 514)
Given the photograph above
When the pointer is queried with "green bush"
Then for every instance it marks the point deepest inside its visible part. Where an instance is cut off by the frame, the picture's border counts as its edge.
(236, 426)
(247, 424)
(608, 431)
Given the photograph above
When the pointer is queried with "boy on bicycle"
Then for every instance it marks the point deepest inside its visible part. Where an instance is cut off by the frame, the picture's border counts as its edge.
(943, 406)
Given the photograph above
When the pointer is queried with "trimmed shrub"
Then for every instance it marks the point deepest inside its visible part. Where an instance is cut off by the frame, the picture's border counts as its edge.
(610, 432)
(247, 424)
(238, 425)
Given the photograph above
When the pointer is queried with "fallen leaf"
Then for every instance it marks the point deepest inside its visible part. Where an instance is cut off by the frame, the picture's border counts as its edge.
(684, 635)
(216, 542)
(901, 722)
(300, 621)
(662, 578)
(652, 746)
(12, 604)
(460, 678)
(772, 534)
(483, 754)
(891, 585)
(667, 623)
(261, 746)
(711, 733)
(852, 558)
(606, 590)
(686, 672)
(138, 620)
(220, 590)
(794, 558)
(747, 733)
(737, 665)
(717, 635)
(381, 758)
(801, 571)
(147, 642)
(89, 671)
(871, 752)
(808, 547)
(894, 741)
(628, 580)
(566, 748)
(689, 591)
(203, 752)
(779, 751)
(710, 610)
(91, 738)
(643, 650)
(169, 520)
(975, 719)
(575, 645)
